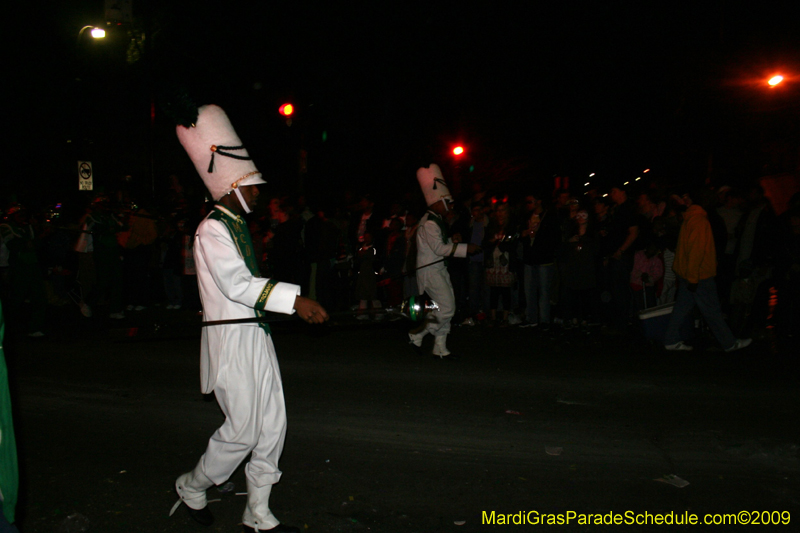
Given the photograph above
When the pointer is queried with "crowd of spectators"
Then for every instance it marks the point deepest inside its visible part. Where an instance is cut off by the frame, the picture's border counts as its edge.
(549, 259)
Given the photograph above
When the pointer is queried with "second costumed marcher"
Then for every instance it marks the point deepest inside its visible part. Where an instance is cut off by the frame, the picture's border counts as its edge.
(433, 245)
(237, 361)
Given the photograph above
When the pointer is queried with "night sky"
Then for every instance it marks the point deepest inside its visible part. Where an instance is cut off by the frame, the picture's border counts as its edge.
(532, 89)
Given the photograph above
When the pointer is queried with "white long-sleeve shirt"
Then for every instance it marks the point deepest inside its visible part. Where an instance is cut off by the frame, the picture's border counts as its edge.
(431, 247)
(229, 290)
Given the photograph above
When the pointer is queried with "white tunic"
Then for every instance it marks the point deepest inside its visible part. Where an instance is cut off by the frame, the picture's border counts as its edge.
(229, 291)
(434, 279)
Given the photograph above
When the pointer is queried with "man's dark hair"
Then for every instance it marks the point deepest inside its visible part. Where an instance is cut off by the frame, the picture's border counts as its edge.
(704, 197)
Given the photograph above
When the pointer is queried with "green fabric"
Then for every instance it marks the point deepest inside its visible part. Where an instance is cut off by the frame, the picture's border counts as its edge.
(105, 233)
(244, 242)
(21, 245)
(9, 471)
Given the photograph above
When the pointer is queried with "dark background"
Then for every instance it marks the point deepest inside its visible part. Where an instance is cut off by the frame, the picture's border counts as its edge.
(531, 89)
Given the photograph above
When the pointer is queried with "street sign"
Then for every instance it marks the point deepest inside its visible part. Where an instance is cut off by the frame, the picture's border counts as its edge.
(85, 180)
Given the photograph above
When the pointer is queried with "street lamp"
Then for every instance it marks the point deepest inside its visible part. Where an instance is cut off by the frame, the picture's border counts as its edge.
(775, 80)
(97, 33)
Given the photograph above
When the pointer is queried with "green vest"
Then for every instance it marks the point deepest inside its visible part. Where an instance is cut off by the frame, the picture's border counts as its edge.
(244, 242)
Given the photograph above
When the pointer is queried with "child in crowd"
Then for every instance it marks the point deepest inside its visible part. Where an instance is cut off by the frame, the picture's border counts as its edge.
(367, 280)
(577, 260)
(498, 248)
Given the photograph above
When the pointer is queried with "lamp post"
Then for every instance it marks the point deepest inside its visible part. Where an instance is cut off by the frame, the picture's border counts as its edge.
(96, 33)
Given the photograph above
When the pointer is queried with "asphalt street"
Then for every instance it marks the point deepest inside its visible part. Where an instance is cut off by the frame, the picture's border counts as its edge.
(381, 439)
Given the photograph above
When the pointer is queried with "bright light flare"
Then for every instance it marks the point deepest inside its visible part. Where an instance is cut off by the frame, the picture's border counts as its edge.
(98, 33)
(775, 80)
(458, 150)
(591, 175)
(286, 110)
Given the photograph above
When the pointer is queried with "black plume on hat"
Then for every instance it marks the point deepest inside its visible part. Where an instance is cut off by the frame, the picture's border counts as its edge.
(176, 103)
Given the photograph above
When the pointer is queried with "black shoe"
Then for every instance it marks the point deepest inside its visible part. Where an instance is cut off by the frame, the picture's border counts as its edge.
(417, 349)
(201, 516)
(280, 528)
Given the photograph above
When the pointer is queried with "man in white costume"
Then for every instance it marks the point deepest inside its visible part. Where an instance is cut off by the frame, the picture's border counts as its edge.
(434, 244)
(237, 361)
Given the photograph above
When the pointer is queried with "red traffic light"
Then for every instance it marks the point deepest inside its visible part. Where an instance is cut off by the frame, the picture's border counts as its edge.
(286, 110)
(458, 150)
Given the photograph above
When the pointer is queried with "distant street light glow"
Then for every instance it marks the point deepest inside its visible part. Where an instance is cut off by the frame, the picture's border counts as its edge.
(586, 184)
(637, 179)
(98, 33)
(775, 80)
(647, 170)
(591, 175)
(458, 150)
(286, 110)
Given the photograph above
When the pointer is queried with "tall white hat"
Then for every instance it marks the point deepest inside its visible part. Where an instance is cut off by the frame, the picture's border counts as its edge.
(432, 183)
(217, 152)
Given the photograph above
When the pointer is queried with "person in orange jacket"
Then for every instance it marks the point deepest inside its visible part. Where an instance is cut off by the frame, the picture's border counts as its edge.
(696, 267)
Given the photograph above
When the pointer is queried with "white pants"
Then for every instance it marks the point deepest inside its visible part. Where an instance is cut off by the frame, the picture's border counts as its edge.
(250, 393)
(440, 289)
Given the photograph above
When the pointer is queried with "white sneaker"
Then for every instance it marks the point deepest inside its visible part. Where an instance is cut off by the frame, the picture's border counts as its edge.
(679, 346)
(739, 344)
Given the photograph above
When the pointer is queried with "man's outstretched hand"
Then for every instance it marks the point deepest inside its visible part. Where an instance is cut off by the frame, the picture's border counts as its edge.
(310, 310)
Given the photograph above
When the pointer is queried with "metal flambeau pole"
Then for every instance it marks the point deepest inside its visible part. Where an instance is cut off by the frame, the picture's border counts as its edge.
(414, 309)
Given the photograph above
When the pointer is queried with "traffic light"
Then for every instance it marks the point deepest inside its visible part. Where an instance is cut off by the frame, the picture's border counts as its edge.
(286, 110)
